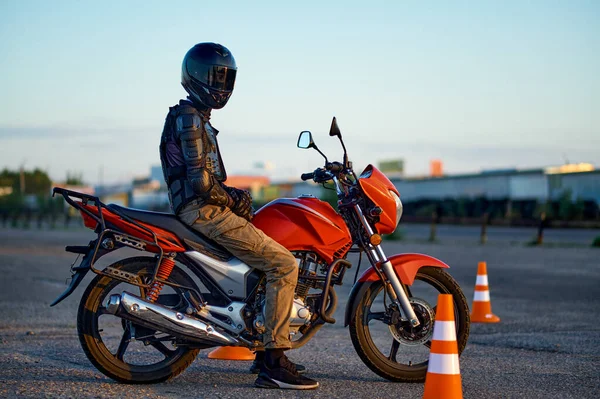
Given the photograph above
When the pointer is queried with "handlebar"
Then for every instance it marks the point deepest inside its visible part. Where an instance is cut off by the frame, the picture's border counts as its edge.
(307, 176)
(323, 174)
(320, 175)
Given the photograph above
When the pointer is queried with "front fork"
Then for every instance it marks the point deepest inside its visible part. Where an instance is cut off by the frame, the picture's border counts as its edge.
(382, 264)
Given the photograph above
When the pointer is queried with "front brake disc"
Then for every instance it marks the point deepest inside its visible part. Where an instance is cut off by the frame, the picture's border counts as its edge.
(405, 334)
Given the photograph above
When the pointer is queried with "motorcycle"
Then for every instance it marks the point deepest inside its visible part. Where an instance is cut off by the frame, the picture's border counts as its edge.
(144, 319)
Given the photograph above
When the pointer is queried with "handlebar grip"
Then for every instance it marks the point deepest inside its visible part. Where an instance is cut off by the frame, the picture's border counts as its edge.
(307, 176)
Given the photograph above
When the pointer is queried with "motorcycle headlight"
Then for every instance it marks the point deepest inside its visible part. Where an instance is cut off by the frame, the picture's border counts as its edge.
(398, 206)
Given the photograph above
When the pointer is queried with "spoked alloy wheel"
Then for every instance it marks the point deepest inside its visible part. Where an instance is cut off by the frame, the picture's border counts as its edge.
(392, 348)
(121, 349)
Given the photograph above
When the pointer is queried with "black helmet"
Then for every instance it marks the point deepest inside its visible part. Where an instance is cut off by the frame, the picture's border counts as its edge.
(208, 74)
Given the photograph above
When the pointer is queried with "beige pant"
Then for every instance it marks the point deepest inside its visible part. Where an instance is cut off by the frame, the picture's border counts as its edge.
(259, 251)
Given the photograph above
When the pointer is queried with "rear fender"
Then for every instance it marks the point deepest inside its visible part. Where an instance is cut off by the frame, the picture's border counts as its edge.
(406, 267)
(83, 268)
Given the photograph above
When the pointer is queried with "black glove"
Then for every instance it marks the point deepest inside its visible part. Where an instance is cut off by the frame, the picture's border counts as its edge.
(242, 202)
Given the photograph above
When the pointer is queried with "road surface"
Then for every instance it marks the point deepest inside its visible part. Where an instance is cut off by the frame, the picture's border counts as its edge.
(546, 346)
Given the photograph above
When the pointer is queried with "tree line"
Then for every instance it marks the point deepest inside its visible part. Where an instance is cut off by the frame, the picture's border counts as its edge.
(26, 197)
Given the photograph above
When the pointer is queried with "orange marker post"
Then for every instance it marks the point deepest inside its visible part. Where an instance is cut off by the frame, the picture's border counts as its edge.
(231, 353)
(443, 371)
(482, 307)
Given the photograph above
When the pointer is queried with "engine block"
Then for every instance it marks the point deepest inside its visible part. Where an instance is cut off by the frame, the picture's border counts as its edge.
(309, 267)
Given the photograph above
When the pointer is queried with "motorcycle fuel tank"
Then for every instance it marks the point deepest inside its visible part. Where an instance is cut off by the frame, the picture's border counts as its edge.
(305, 224)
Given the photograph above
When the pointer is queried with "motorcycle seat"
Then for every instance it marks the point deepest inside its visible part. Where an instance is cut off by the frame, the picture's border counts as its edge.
(171, 223)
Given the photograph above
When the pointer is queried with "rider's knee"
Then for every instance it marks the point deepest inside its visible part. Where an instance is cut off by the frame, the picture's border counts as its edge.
(288, 268)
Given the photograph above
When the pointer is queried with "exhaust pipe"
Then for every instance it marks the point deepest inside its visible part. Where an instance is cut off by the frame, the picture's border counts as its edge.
(158, 317)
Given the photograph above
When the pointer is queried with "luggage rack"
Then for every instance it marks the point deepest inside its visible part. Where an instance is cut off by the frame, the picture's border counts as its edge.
(123, 239)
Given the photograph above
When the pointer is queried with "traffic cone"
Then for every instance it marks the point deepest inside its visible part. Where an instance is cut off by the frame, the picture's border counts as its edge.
(231, 353)
(482, 308)
(443, 372)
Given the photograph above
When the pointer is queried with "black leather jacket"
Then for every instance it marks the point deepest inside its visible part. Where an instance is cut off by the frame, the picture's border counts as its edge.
(190, 158)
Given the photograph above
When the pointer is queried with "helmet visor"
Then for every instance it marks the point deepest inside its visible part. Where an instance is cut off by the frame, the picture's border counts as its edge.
(214, 76)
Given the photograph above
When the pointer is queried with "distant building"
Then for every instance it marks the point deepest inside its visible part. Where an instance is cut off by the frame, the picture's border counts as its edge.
(581, 185)
(540, 185)
(289, 190)
(157, 200)
(570, 168)
(156, 174)
(436, 168)
(119, 194)
(392, 168)
(254, 184)
(119, 198)
(512, 184)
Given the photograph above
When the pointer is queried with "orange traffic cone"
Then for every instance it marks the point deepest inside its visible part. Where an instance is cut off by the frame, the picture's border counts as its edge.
(231, 353)
(443, 372)
(482, 307)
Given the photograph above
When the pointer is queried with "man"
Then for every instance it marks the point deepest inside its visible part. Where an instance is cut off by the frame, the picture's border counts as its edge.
(195, 176)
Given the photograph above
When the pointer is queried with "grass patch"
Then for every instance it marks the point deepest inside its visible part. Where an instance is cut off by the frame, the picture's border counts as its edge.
(596, 242)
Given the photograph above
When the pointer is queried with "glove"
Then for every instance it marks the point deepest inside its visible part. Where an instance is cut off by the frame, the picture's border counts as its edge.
(242, 202)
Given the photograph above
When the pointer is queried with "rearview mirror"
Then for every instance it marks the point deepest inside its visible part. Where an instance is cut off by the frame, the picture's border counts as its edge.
(335, 130)
(305, 140)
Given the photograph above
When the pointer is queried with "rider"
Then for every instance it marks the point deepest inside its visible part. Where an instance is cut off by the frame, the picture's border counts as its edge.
(195, 176)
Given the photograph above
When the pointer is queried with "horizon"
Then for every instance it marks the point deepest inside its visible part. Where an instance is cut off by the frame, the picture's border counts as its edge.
(86, 87)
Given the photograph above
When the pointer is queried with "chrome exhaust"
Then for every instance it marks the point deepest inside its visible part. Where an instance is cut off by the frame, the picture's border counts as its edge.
(158, 317)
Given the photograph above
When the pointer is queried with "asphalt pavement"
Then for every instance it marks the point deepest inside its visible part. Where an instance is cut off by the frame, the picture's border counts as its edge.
(499, 234)
(546, 346)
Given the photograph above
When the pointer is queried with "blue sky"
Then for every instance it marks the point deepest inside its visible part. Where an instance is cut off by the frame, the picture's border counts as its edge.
(480, 85)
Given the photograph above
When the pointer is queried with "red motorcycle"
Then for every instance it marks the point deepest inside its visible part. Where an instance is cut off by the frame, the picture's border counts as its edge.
(143, 319)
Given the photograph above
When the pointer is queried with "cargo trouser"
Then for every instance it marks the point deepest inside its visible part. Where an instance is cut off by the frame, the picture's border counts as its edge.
(259, 251)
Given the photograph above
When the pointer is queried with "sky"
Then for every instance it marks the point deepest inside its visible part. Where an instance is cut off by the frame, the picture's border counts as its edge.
(85, 86)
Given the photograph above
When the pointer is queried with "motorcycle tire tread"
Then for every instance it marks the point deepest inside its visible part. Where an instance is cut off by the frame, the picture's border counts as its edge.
(379, 367)
(134, 264)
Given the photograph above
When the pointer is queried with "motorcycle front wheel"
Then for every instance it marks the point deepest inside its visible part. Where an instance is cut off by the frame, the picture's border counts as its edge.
(392, 348)
(120, 349)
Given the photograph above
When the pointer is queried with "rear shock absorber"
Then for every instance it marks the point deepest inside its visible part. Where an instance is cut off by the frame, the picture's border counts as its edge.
(164, 271)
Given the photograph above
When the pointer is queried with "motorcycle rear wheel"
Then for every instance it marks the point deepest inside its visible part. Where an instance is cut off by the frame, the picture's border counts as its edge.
(123, 364)
(372, 337)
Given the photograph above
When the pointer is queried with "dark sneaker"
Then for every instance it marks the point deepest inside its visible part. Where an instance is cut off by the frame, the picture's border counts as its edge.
(283, 376)
(260, 359)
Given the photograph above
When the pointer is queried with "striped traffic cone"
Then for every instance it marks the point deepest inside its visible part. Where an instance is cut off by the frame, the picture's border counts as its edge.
(231, 353)
(482, 307)
(443, 372)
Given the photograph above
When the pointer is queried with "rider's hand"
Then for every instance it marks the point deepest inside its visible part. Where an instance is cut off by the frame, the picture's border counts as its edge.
(243, 207)
(242, 202)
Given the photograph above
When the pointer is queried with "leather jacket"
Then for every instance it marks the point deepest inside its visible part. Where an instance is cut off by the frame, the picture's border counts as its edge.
(191, 161)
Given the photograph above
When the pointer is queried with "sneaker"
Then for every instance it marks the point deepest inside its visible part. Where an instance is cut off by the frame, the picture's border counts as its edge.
(283, 376)
(260, 359)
